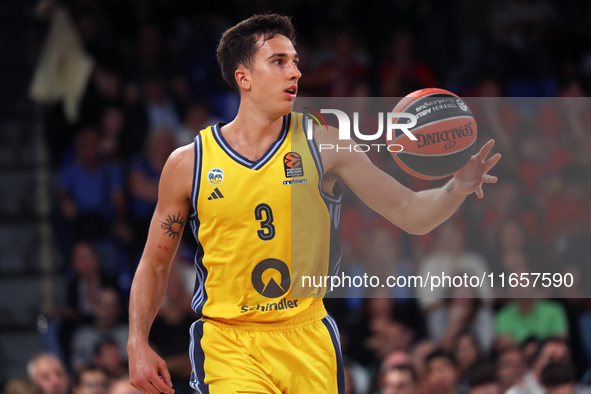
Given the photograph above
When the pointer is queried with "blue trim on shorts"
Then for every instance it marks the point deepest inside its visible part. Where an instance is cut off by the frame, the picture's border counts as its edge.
(333, 330)
(197, 358)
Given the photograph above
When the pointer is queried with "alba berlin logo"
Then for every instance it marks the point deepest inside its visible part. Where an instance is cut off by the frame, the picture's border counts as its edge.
(271, 278)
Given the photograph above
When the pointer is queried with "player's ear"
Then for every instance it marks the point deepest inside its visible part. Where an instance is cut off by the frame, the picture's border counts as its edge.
(242, 75)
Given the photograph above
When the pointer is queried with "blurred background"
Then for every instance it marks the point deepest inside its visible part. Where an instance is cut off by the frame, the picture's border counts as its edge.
(97, 93)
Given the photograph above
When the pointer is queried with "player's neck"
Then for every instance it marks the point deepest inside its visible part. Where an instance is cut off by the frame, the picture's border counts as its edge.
(252, 132)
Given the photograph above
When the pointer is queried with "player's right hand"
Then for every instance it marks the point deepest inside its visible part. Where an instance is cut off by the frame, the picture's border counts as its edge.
(147, 371)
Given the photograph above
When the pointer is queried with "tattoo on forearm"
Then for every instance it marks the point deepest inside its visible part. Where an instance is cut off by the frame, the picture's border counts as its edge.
(449, 188)
(162, 247)
(173, 226)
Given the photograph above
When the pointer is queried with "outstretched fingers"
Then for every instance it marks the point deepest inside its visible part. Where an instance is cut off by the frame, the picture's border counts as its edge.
(479, 192)
(490, 163)
(485, 150)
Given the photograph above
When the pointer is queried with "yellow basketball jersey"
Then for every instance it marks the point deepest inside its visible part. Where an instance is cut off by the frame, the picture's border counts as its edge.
(260, 226)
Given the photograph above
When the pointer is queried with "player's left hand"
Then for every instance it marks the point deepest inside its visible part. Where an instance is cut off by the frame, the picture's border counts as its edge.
(469, 179)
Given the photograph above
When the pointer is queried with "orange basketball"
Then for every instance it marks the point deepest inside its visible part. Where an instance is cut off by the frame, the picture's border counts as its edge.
(446, 134)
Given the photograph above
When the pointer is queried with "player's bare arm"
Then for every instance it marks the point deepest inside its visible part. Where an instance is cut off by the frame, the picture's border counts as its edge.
(148, 372)
(414, 212)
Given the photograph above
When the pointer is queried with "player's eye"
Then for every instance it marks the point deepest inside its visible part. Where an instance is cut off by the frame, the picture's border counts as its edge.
(277, 61)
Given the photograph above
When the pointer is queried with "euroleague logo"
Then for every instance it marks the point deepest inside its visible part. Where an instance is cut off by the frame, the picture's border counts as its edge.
(292, 164)
(292, 159)
(270, 278)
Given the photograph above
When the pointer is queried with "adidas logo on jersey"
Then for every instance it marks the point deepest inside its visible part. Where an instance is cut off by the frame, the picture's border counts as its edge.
(216, 194)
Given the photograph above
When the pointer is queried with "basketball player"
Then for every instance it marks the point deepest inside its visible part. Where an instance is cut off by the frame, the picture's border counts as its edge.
(249, 189)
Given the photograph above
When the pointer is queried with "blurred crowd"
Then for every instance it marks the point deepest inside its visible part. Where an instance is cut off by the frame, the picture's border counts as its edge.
(155, 84)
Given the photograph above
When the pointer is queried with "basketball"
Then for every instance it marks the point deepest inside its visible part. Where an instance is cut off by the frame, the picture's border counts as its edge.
(446, 134)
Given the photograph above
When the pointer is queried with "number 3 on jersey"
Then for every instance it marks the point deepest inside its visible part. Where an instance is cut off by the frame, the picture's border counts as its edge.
(264, 213)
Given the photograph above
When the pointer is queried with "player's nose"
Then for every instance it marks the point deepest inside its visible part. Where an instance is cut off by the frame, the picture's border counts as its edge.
(294, 72)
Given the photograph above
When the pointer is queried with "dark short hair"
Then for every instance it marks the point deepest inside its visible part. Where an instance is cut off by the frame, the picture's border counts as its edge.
(480, 374)
(545, 342)
(439, 353)
(238, 44)
(102, 344)
(556, 374)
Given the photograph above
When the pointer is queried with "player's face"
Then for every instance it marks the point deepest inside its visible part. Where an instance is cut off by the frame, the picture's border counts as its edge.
(274, 75)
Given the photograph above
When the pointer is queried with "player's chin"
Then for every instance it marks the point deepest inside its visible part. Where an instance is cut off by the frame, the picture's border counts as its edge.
(286, 108)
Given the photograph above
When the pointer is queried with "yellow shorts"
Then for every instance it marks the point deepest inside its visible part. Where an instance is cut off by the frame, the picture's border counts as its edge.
(302, 355)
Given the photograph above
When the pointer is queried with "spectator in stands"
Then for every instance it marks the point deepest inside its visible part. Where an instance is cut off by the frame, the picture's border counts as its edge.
(481, 379)
(450, 257)
(553, 350)
(402, 73)
(170, 331)
(398, 379)
(392, 359)
(567, 213)
(47, 371)
(197, 117)
(442, 374)
(511, 243)
(419, 355)
(461, 316)
(105, 325)
(511, 367)
(90, 380)
(382, 258)
(107, 356)
(160, 109)
(525, 317)
(558, 378)
(509, 215)
(122, 386)
(540, 164)
(350, 385)
(530, 347)
(22, 386)
(102, 92)
(112, 126)
(90, 195)
(87, 281)
(144, 176)
(466, 350)
(342, 62)
(383, 326)
(83, 286)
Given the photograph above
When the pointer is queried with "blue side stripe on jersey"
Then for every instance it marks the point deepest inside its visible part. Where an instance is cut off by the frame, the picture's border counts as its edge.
(200, 293)
(333, 205)
(197, 356)
(255, 165)
(196, 176)
(331, 326)
(318, 161)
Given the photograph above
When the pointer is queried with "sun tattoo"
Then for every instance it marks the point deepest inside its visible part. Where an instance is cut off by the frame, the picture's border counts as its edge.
(173, 225)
